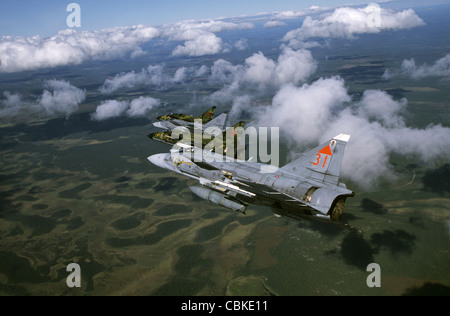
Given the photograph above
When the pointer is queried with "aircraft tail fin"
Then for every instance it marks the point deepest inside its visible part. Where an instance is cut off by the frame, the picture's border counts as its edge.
(239, 124)
(323, 163)
(208, 115)
(218, 122)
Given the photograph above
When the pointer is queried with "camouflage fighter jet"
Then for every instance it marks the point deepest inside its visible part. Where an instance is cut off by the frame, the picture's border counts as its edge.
(218, 122)
(182, 119)
(186, 137)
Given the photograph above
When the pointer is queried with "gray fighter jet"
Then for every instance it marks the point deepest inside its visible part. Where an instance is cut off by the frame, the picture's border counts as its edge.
(307, 187)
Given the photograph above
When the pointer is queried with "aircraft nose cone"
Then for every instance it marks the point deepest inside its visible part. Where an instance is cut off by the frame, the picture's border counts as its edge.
(157, 160)
(156, 136)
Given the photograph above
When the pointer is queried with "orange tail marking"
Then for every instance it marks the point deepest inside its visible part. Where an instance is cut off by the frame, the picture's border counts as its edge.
(326, 151)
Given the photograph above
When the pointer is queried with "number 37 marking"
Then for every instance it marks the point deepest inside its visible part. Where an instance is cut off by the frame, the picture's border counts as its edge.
(319, 156)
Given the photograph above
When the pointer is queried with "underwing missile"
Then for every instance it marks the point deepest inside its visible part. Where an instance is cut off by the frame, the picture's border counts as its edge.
(218, 198)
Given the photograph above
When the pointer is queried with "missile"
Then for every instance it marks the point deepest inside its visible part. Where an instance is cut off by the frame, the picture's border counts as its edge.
(218, 198)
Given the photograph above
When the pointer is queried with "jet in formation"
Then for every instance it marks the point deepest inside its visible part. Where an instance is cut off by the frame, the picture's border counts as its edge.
(185, 133)
(171, 121)
(307, 187)
(186, 136)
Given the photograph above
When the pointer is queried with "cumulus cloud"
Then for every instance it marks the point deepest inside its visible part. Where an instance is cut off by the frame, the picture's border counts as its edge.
(259, 72)
(109, 109)
(295, 14)
(277, 18)
(204, 43)
(153, 75)
(440, 68)
(272, 23)
(348, 22)
(141, 106)
(70, 47)
(379, 106)
(241, 44)
(289, 15)
(113, 108)
(315, 112)
(294, 66)
(61, 97)
(307, 108)
(188, 30)
(58, 97)
(11, 104)
(200, 38)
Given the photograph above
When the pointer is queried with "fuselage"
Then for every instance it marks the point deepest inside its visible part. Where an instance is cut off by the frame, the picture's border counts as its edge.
(255, 183)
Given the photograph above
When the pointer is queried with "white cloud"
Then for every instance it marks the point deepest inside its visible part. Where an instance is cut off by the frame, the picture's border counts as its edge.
(292, 67)
(203, 43)
(259, 69)
(153, 75)
(11, 104)
(109, 109)
(315, 112)
(377, 105)
(289, 15)
(440, 68)
(223, 71)
(61, 97)
(113, 108)
(367, 155)
(272, 23)
(241, 104)
(303, 112)
(141, 106)
(11, 99)
(241, 44)
(348, 22)
(180, 75)
(294, 14)
(58, 97)
(70, 47)
(200, 38)
(188, 30)
(261, 73)
(277, 18)
(295, 66)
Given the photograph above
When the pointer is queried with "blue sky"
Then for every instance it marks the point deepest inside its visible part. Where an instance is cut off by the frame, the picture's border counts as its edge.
(31, 17)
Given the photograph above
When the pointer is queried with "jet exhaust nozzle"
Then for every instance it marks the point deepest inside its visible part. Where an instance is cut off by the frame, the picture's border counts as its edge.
(218, 198)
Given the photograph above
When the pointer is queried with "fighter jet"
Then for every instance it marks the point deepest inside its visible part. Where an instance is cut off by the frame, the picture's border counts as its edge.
(176, 136)
(183, 119)
(307, 187)
(218, 122)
